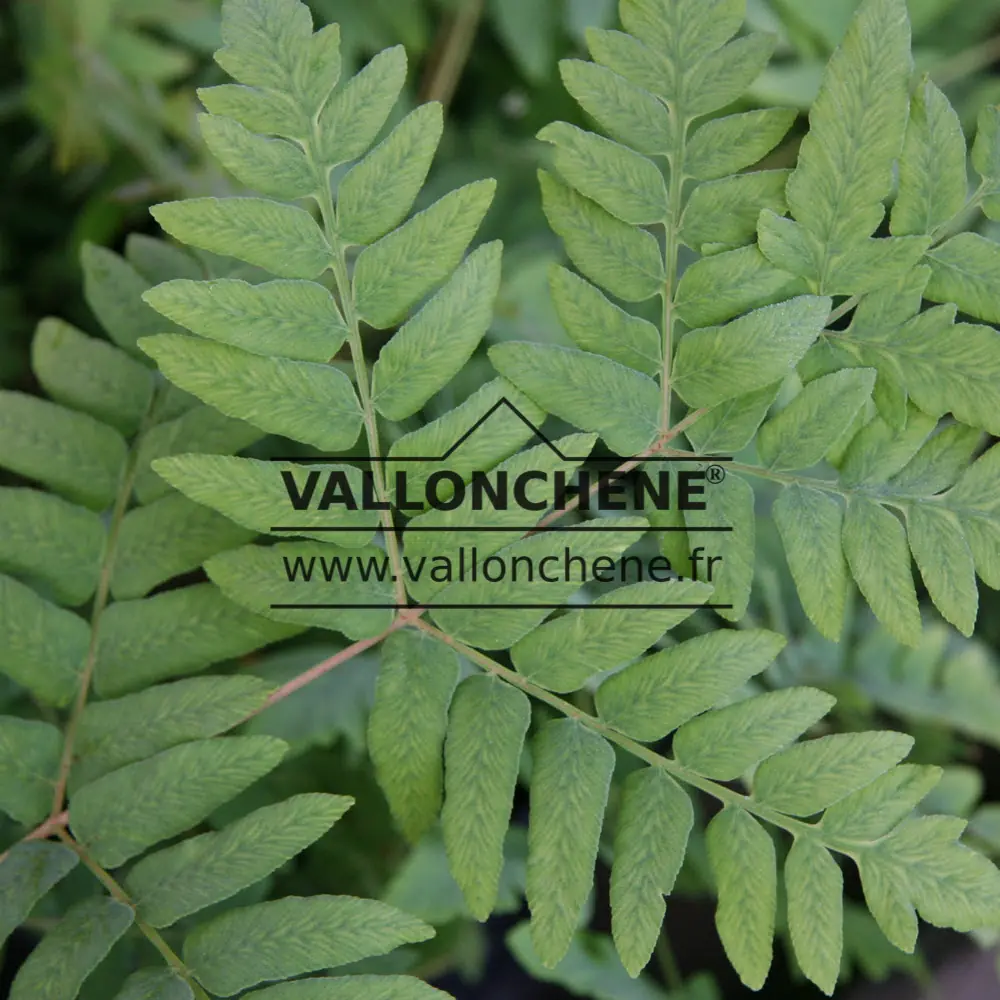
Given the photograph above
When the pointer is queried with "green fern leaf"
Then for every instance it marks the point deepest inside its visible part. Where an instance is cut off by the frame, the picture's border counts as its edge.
(815, 888)
(175, 633)
(27, 873)
(28, 767)
(154, 984)
(121, 814)
(741, 854)
(254, 493)
(486, 729)
(290, 936)
(57, 968)
(655, 695)
(407, 726)
(654, 823)
(294, 319)
(203, 870)
(563, 654)
(808, 777)
(44, 646)
(312, 403)
(121, 731)
(569, 790)
(726, 743)
(50, 543)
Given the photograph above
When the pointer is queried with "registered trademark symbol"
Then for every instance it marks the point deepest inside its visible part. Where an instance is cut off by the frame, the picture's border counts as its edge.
(716, 474)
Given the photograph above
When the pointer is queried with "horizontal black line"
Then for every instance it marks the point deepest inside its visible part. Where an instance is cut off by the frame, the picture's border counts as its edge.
(498, 607)
(616, 459)
(487, 530)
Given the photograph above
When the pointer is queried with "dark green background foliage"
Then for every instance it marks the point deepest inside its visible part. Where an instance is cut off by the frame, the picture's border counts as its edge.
(317, 839)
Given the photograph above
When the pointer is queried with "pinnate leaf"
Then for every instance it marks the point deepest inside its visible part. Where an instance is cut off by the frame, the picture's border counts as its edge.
(435, 345)
(196, 873)
(879, 558)
(726, 743)
(120, 815)
(809, 776)
(654, 823)
(58, 966)
(118, 731)
(407, 726)
(391, 276)
(26, 875)
(741, 854)
(718, 363)
(562, 654)
(815, 888)
(290, 319)
(569, 789)
(283, 239)
(811, 527)
(587, 390)
(315, 404)
(622, 259)
(43, 646)
(29, 762)
(290, 936)
(658, 693)
(486, 729)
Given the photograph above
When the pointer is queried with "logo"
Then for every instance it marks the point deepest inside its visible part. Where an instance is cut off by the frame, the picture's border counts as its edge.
(677, 486)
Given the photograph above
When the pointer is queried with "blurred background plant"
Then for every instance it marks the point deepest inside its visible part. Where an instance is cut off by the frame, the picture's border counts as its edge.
(98, 110)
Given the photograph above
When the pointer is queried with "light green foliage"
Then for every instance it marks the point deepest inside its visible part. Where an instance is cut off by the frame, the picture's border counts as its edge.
(562, 655)
(72, 453)
(655, 695)
(435, 345)
(175, 633)
(622, 259)
(121, 814)
(810, 776)
(597, 325)
(654, 821)
(287, 937)
(718, 363)
(123, 730)
(844, 171)
(90, 375)
(591, 392)
(963, 270)
(877, 553)
(757, 306)
(296, 319)
(253, 493)
(811, 525)
(407, 727)
(932, 182)
(815, 887)
(808, 428)
(255, 578)
(166, 538)
(487, 724)
(195, 873)
(301, 400)
(726, 743)
(742, 857)
(569, 789)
